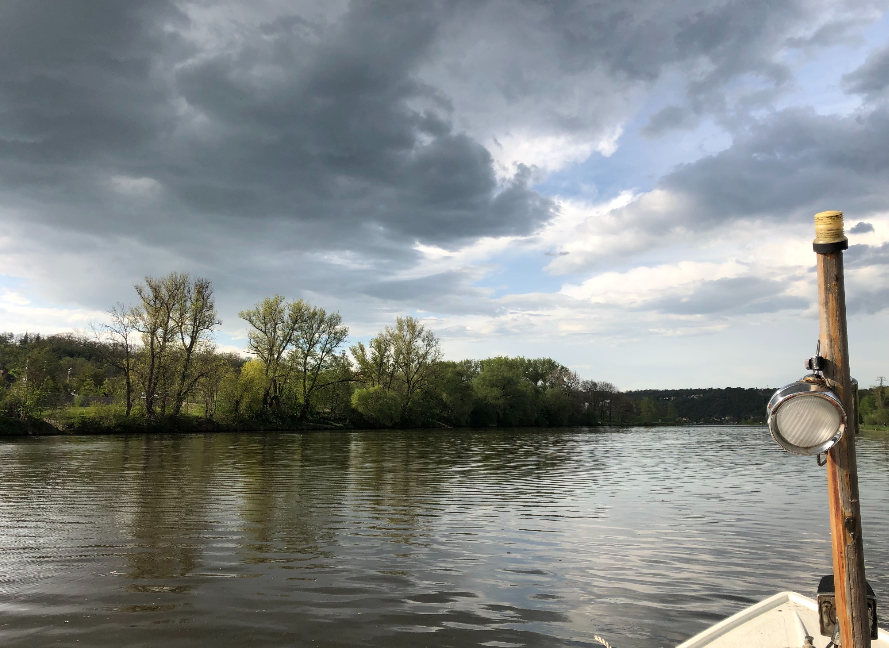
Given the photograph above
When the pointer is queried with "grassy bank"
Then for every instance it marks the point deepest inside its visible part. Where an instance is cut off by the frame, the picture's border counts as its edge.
(184, 424)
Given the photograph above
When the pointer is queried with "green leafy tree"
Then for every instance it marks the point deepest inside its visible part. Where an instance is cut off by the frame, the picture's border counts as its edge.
(416, 352)
(334, 399)
(454, 392)
(241, 392)
(294, 341)
(33, 385)
(505, 395)
(319, 336)
(648, 410)
(274, 323)
(376, 361)
(378, 405)
(403, 359)
(176, 320)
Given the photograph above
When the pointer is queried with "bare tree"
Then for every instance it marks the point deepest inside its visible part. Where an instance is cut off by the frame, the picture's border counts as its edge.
(121, 344)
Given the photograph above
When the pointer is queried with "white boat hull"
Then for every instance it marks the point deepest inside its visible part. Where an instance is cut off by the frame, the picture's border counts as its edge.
(781, 621)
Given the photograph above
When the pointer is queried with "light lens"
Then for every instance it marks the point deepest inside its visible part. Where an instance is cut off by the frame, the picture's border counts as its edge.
(808, 421)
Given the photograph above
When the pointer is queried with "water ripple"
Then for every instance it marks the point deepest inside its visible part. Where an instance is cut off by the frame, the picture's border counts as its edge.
(488, 538)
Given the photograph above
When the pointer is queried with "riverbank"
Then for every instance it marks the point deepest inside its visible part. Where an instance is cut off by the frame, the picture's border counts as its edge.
(189, 424)
(10, 427)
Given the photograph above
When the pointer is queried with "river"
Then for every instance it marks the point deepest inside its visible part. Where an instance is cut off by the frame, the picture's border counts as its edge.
(413, 538)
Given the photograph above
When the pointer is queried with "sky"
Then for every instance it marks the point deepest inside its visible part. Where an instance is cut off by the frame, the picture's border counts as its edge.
(626, 187)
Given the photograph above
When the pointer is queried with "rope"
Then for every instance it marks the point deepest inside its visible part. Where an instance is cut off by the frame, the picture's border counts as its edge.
(602, 641)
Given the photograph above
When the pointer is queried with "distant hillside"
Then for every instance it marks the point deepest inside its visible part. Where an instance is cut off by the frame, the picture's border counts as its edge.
(728, 405)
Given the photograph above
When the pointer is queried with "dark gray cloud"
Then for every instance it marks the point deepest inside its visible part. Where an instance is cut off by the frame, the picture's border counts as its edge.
(861, 228)
(286, 127)
(872, 78)
(667, 119)
(791, 163)
(446, 292)
(867, 255)
(868, 302)
(733, 296)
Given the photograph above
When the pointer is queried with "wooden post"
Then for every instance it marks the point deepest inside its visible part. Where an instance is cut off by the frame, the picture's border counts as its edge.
(842, 469)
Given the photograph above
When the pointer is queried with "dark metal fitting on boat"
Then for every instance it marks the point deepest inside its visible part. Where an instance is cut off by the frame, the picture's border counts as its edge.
(816, 363)
(827, 611)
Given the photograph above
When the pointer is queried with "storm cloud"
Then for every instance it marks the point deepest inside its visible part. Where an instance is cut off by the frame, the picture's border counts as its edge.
(382, 157)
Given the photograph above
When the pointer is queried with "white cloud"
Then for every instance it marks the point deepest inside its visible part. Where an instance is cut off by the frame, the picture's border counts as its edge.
(548, 152)
(19, 316)
(640, 285)
(10, 297)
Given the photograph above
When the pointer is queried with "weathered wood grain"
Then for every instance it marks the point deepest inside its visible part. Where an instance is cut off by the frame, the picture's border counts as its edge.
(842, 469)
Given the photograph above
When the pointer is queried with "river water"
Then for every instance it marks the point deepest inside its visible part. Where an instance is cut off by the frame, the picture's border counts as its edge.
(412, 538)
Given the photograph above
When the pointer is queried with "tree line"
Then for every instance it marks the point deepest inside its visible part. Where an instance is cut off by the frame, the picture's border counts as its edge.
(701, 406)
(873, 404)
(157, 361)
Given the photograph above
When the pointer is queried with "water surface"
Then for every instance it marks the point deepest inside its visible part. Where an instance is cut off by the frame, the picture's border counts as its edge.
(412, 538)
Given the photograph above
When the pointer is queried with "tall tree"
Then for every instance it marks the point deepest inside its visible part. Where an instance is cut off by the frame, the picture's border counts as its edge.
(274, 325)
(318, 337)
(176, 319)
(402, 359)
(194, 318)
(376, 365)
(505, 394)
(155, 320)
(416, 352)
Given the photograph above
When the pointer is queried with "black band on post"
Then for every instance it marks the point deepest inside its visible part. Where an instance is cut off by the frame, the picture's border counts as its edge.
(827, 248)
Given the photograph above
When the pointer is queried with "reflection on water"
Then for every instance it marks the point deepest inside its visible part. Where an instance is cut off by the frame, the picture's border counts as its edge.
(485, 538)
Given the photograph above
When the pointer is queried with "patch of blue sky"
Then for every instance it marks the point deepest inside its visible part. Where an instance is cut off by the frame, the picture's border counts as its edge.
(23, 292)
(877, 33)
(639, 161)
(520, 271)
(11, 283)
(818, 79)
(231, 342)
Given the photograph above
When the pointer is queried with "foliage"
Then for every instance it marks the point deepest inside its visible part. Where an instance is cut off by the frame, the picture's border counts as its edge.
(154, 365)
(873, 405)
(294, 341)
(506, 396)
(241, 392)
(379, 406)
(403, 359)
(718, 405)
(176, 320)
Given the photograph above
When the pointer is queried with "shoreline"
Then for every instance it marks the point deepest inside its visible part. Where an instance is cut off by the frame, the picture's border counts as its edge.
(15, 428)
